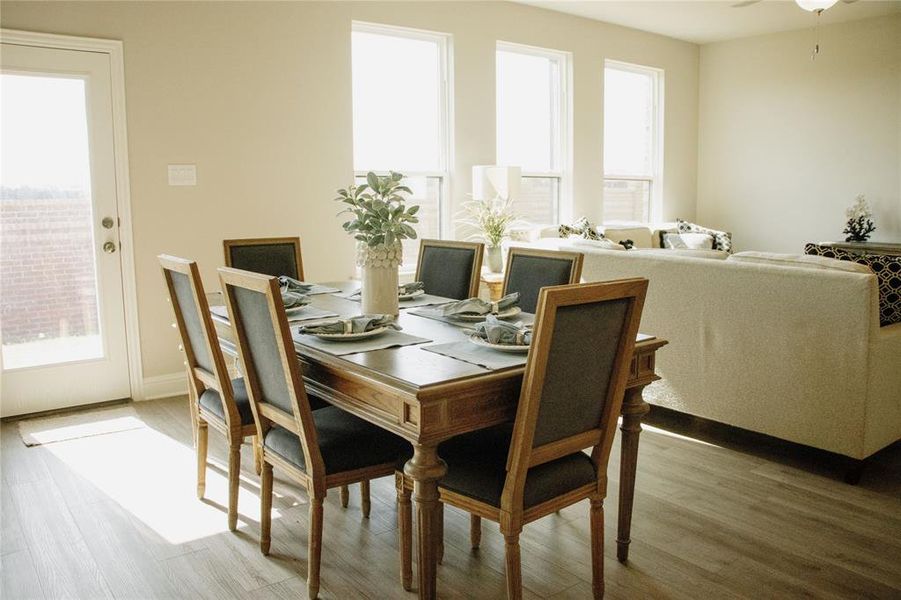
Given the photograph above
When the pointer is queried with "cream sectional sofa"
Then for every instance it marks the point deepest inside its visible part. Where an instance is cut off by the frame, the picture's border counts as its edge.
(789, 348)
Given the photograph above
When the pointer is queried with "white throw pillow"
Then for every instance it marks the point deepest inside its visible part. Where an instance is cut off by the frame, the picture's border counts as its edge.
(688, 241)
(600, 244)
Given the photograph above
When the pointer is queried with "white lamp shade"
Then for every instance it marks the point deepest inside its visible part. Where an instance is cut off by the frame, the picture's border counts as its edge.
(489, 181)
(814, 5)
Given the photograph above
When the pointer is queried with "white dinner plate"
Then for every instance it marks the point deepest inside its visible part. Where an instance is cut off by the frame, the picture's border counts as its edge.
(347, 337)
(411, 295)
(504, 314)
(513, 349)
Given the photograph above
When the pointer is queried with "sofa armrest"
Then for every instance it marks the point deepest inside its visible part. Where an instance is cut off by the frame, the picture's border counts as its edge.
(883, 406)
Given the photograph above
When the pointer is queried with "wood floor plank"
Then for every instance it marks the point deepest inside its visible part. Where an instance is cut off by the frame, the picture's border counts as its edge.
(63, 563)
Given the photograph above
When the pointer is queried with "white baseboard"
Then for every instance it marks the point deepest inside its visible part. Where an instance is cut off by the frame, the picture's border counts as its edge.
(165, 386)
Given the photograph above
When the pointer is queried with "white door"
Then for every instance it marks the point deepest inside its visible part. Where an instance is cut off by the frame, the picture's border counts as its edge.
(63, 320)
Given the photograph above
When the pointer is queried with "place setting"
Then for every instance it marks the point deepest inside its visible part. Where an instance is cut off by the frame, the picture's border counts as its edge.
(475, 310)
(492, 343)
(409, 295)
(296, 299)
(362, 333)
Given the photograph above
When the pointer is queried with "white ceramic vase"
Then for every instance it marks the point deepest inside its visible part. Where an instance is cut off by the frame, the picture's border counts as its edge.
(379, 265)
(493, 255)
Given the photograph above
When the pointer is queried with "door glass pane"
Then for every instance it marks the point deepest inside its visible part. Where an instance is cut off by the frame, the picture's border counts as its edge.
(48, 279)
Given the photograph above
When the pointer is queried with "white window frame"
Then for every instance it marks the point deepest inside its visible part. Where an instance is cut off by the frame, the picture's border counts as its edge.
(561, 155)
(445, 93)
(655, 177)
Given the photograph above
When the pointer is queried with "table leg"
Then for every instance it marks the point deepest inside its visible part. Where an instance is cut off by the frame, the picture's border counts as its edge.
(426, 468)
(634, 408)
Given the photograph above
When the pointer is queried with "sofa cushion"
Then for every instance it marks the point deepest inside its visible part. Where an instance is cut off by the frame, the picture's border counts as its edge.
(722, 240)
(640, 235)
(888, 273)
(799, 260)
(706, 254)
(687, 241)
(604, 244)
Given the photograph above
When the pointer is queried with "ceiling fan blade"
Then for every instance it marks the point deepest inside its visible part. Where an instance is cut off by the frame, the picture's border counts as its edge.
(745, 3)
(849, 1)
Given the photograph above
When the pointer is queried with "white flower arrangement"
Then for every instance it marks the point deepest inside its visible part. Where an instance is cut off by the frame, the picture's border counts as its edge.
(860, 220)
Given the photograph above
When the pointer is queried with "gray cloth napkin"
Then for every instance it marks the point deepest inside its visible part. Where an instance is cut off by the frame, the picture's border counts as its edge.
(477, 306)
(289, 284)
(294, 300)
(496, 331)
(409, 288)
(360, 324)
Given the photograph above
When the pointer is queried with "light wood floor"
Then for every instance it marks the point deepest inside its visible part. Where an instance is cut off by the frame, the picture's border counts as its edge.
(116, 516)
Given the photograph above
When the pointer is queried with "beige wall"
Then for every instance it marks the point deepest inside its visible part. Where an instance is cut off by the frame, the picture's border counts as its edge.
(786, 144)
(258, 96)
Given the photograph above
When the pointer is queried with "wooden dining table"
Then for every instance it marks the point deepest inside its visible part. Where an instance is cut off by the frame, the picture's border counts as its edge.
(427, 398)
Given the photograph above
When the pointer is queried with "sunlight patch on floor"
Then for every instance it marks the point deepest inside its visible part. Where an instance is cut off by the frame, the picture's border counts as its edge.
(153, 477)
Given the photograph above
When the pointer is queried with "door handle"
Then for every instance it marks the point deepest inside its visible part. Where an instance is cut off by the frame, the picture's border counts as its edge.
(109, 247)
(107, 222)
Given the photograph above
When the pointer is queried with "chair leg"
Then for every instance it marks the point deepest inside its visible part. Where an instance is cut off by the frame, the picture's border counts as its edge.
(365, 504)
(257, 454)
(439, 530)
(202, 442)
(597, 548)
(345, 496)
(475, 531)
(405, 532)
(314, 554)
(265, 508)
(234, 479)
(514, 567)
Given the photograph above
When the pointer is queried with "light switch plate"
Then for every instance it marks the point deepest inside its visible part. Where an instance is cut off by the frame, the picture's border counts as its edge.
(182, 174)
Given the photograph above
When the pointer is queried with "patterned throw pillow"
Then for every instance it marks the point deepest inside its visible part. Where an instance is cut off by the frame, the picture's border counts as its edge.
(722, 240)
(581, 228)
(888, 273)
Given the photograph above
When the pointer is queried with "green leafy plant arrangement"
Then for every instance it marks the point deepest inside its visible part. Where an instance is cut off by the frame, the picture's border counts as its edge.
(380, 214)
(491, 219)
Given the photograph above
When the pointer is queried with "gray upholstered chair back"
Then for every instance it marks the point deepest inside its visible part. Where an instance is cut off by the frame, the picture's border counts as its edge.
(186, 304)
(446, 271)
(580, 365)
(527, 274)
(259, 333)
(275, 258)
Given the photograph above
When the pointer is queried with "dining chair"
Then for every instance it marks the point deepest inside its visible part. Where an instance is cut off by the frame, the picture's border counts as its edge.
(570, 399)
(269, 256)
(450, 269)
(215, 400)
(319, 449)
(530, 269)
(280, 256)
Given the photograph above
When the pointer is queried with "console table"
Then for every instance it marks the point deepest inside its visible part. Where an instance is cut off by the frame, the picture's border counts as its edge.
(891, 248)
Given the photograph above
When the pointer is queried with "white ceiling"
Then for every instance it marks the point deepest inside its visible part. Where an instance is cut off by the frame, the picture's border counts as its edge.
(703, 21)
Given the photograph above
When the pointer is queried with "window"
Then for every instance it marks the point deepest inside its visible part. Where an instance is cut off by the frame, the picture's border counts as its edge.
(532, 126)
(400, 108)
(633, 141)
